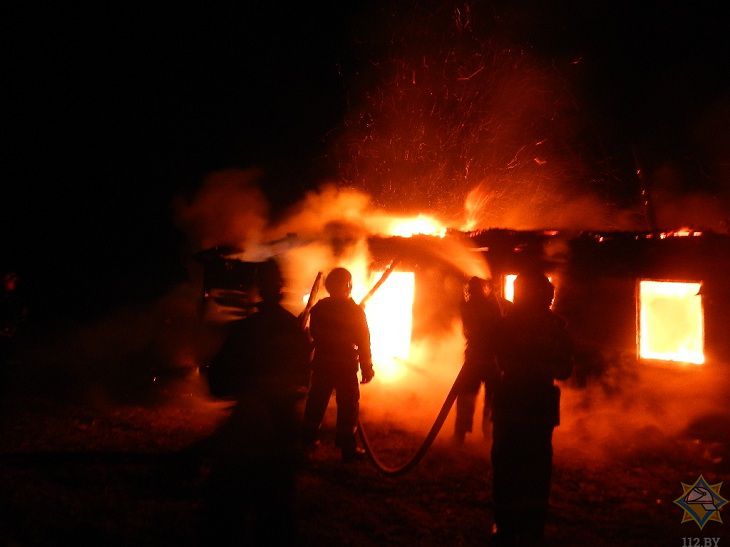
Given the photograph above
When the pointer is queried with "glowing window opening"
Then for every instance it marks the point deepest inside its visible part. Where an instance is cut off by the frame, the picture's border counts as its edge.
(671, 321)
(508, 289)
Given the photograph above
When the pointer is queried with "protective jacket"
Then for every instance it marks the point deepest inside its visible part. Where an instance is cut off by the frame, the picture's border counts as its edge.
(533, 349)
(265, 351)
(480, 316)
(341, 336)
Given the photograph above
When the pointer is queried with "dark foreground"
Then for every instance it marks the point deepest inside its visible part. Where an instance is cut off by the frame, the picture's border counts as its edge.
(112, 475)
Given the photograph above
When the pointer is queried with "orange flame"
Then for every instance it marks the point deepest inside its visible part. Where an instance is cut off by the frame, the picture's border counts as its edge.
(418, 225)
(390, 317)
(671, 323)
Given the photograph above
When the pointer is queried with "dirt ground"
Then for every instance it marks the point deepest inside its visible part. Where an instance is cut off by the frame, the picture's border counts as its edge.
(107, 474)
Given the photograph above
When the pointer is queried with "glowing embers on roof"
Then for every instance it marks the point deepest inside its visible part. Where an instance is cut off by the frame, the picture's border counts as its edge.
(682, 232)
(390, 317)
(671, 322)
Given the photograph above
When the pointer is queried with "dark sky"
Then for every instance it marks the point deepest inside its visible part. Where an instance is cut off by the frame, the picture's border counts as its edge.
(114, 110)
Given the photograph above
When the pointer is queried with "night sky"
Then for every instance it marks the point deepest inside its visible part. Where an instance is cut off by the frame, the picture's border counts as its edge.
(115, 110)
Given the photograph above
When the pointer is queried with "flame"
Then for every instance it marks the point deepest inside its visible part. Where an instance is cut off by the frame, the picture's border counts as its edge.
(418, 225)
(509, 287)
(671, 323)
(390, 317)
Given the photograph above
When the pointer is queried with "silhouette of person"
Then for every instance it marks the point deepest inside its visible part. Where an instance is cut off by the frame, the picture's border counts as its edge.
(255, 451)
(341, 339)
(481, 312)
(533, 350)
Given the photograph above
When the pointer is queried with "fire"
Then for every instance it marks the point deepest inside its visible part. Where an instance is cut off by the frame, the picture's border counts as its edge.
(682, 232)
(509, 287)
(390, 317)
(419, 225)
(671, 323)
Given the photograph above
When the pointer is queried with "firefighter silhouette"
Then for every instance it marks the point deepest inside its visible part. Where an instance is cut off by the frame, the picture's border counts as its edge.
(533, 350)
(255, 451)
(341, 340)
(481, 312)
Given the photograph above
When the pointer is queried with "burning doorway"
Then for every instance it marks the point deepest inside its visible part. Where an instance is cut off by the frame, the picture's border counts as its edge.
(670, 321)
(508, 287)
(390, 316)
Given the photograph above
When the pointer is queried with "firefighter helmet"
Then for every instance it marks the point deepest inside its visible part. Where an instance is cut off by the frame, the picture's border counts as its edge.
(339, 282)
(533, 289)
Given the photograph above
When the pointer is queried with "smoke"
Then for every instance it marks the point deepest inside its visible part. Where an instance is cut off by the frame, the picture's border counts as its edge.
(646, 410)
(632, 410)
(228, 209)
(342, 219)
(331, 227)
(413, 402)
(506, 205)
(466, 125)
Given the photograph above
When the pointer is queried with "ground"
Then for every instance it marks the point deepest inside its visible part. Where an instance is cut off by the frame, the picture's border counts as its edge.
(110, 473)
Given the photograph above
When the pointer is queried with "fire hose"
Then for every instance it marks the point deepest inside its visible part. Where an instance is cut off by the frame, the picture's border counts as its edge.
(435, 428)
(425, 445)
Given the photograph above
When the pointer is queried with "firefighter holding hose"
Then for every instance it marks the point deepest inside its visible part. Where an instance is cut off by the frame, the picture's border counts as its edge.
(481, 312)
(341, 338)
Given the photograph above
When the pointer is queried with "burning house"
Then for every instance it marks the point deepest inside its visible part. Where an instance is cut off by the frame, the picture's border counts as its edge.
(649, 297)
(660, 297)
